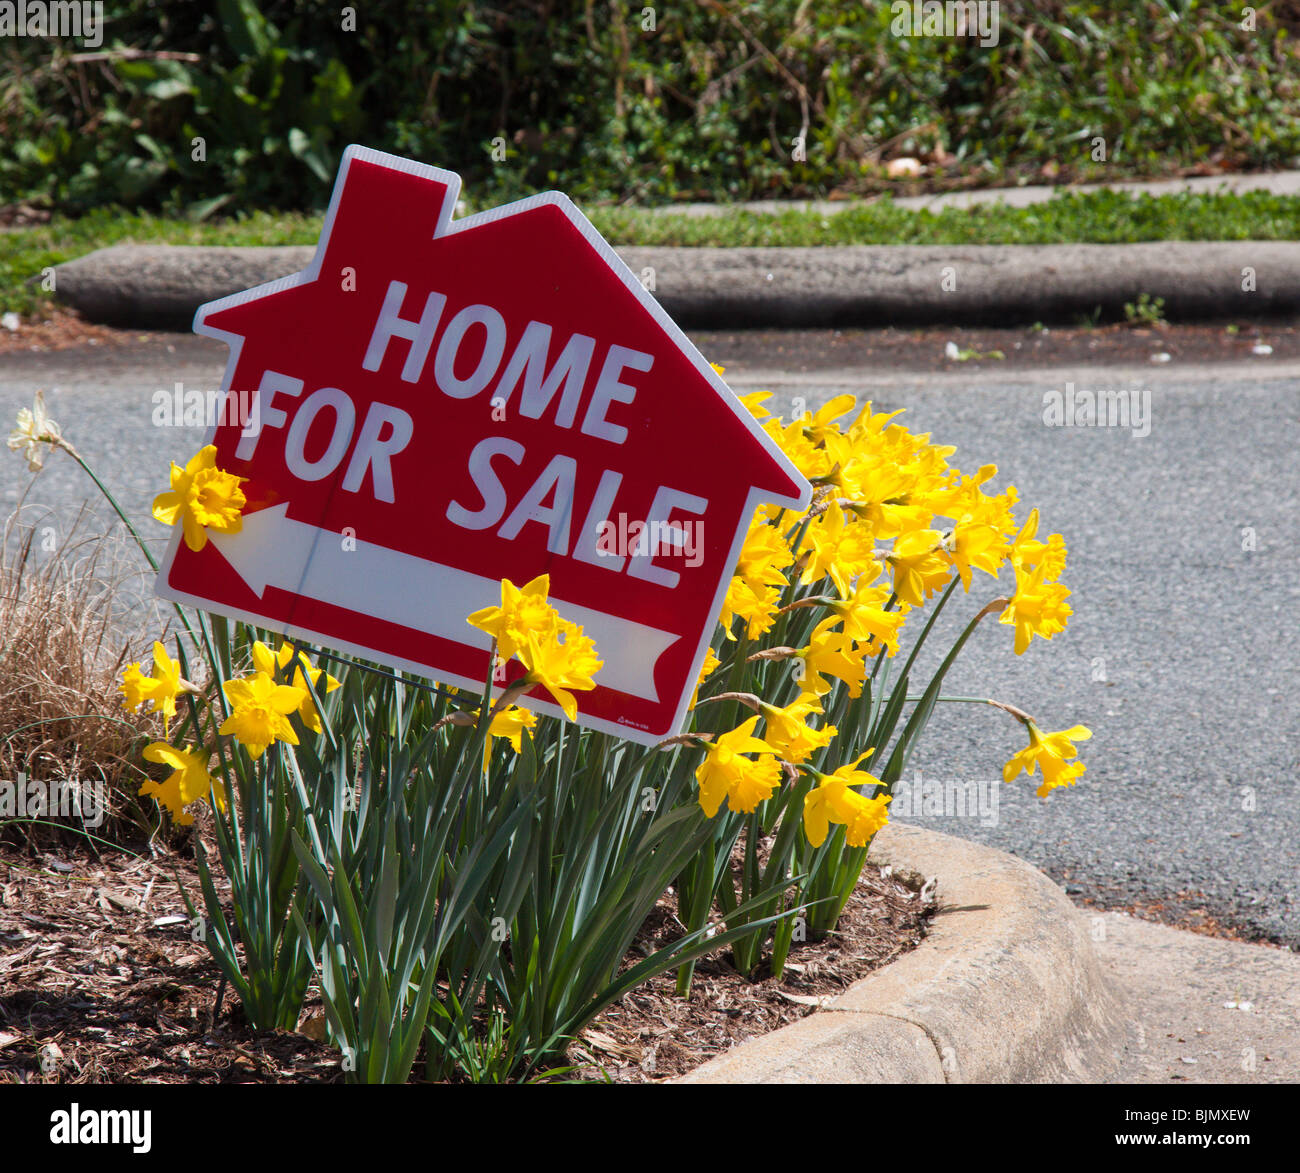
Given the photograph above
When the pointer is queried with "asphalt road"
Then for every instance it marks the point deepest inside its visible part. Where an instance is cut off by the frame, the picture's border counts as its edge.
(1180, 656)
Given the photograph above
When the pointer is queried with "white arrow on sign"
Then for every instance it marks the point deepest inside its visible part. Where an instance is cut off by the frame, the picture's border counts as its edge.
(274, 550)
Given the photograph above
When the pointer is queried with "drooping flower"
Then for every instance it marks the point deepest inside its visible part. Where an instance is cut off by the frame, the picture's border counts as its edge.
(727, 773)
(259, 711)
(787, 730)
(834, 800)
(188, 782)
(1052, 753)
(202, 497)
(35, 434)
(1038, 608)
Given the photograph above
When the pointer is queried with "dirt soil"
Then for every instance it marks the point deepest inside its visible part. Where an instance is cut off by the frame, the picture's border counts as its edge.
(927, 350)
(794, 351)
(101, 982)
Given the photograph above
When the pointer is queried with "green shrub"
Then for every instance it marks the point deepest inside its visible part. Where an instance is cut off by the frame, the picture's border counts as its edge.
(588, 96)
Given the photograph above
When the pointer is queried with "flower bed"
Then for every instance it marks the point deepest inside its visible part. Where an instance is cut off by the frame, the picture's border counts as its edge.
(464, 883)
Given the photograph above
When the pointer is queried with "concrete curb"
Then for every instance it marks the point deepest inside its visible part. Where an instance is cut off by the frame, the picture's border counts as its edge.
(160, 286)
(1007, 988)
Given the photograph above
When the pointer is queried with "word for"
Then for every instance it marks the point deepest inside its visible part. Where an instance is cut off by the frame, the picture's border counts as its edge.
(955, 18)
(1119, 408)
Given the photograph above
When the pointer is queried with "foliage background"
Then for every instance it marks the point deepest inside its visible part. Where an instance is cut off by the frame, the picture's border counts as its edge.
(587, 98)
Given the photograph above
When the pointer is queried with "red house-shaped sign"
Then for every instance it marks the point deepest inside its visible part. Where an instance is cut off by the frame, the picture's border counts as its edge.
(437, 404)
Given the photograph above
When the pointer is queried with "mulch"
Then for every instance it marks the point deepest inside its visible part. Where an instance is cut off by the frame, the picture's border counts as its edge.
(101, 982)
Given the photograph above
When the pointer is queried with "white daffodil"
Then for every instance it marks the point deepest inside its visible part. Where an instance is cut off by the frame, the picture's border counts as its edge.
(35, 430)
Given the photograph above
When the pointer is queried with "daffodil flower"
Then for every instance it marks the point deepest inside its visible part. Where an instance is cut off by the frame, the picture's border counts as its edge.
(564, 659)
(1038, 608)
(202, 497)
(511, 724)
(727, 773)
(523, 610)
(162, 688)
(259, 712)
(274, 664)
(1052, 753)
(35, 434)
(188, 782)
(836, 801)
(788, 732)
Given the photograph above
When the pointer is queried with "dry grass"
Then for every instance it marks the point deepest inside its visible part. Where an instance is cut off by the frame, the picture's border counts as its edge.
(61, 655)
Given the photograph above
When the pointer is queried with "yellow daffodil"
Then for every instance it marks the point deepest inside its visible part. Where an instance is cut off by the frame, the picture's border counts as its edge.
(259, 711)
(835, 800)
(809, 457)
(1052, 753)
(135, 687)
(561, 660)
(842, 549)
(36, 432)
(711, 662)
(822, 424)
(754, 403)
(523, 611)
(867, 622)
(832, 653)
(509, 723)
(1038, 608)
(275, 664)
(202, 497)
(162, 688)
(726, 772)
(920, 567)
(862, 817)
(974, 544)
(819, 804)
(787, 730)
(188, 782)
(756, 607)
(763, 557)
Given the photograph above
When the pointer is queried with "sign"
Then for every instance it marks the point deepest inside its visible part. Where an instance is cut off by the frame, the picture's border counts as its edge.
(437, 404)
